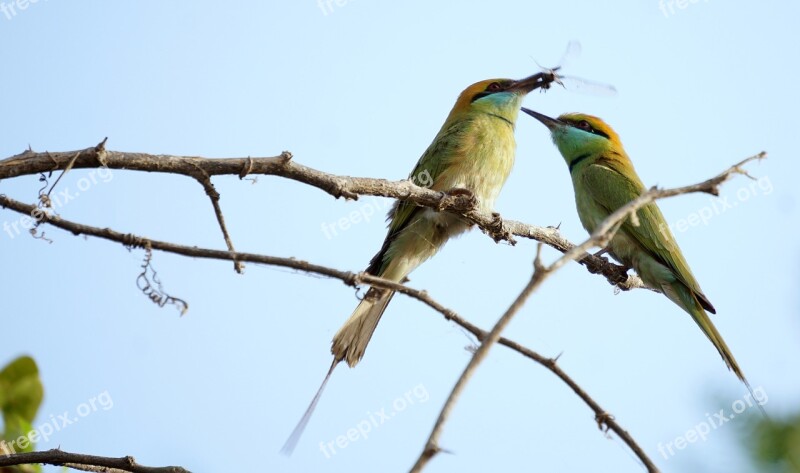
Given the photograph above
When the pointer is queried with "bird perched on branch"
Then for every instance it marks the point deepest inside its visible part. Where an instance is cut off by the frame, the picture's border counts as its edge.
(604, 180)
(472, 154)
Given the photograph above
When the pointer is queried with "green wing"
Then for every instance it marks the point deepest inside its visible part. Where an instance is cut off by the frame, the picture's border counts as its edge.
(611, 185)
(429, 167)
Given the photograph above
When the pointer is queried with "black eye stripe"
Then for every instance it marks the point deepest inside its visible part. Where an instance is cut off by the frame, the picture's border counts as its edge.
(591, 129)
(492, 88)
(480, 95)
(600, 133)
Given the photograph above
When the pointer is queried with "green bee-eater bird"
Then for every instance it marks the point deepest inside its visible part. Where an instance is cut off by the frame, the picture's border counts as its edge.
(472, 153)
(604, 180)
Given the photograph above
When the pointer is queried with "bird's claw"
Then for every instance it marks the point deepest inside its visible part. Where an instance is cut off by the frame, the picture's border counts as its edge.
(592, 266)
(602, 420)
(459, 198)
(621, 276)
(498, 231)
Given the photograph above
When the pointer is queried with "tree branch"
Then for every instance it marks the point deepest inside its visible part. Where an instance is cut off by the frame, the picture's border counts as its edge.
(600, 237)
(205, 181)
(349, 278)
(432, 445)
(202, 169)
(608, 227)
(83, 462)
(349, 187)
(605, 421)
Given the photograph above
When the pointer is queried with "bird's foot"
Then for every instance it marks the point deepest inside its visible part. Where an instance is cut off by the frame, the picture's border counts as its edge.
(616, 274)
(602, 420)
(620, 276)
(497, 230)
(458, 198)
(595, 267)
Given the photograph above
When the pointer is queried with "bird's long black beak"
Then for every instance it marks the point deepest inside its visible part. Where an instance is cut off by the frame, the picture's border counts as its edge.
(550, 123)
(541, 80)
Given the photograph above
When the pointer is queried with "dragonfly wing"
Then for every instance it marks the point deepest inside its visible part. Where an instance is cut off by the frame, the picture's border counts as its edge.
(574, 83)
(588, 87)
(570, 54)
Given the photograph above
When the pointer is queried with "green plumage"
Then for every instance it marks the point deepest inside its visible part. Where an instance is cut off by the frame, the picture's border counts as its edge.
(473, 152)
(604, 180)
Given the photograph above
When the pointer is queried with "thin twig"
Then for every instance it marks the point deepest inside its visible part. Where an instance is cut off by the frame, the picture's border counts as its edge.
(608, 227)
(212, 194)
(432, 445)
(100, 150)
(61, 458)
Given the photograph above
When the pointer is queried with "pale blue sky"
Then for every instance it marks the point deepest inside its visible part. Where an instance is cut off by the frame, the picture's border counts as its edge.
(360, 88)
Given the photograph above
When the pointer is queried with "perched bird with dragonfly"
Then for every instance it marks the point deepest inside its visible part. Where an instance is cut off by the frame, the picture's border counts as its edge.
(604, 180)
(472, 154)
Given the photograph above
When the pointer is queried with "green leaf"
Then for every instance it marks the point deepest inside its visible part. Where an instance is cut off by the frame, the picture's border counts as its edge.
(17, 427)
(21, 394)
(21, 389)
(20, 368)
(774, 444)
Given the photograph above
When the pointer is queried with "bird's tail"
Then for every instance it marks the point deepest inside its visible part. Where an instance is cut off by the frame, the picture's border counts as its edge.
(704, 321)
(684, 297)
(348, 344)
(351, 340)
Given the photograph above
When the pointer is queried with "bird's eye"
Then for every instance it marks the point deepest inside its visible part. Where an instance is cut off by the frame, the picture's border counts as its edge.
(494, 87)
(585, 126)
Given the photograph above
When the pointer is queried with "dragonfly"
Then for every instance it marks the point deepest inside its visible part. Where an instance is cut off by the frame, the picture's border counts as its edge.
(575, 84)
